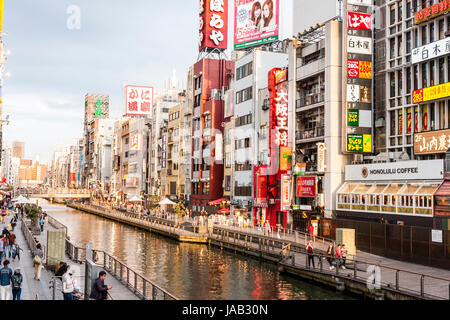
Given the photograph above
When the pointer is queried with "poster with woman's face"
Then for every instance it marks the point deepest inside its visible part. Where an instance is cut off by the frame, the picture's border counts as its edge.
(256, 22)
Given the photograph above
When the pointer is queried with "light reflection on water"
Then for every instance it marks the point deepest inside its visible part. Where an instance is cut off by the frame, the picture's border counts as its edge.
(189, 271)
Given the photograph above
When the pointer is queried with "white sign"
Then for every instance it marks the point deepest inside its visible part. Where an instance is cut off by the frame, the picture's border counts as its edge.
(361, 45)
(352, 92)
(321, 157)
(436, 236)
(360, 2)
(138, 100)
(431, 51)
(401, 170)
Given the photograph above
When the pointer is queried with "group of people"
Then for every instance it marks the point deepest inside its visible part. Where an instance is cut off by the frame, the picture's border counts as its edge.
(9, 248)
(70, 289)
(335, 257)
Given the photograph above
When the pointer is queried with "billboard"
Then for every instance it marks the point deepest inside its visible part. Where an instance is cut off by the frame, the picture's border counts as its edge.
(256, 22)
(306, 186)
(135, 142)
(431, 51)
(432, 93)
(213, 24)
(138, 100)
(437, 9)
(431, 142)
(131, 182)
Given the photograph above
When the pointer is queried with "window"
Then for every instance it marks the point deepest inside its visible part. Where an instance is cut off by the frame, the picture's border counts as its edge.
(441, 29)
(432, 72)
(207, 121)
(196, 124)
(127, 140)
(244, 71)
(242, 143)
(392, 84)
(408, 42)
(392, 10)
(244, 120)
(424, 75)
(416, 77)
(205, 188)
(243, 166)
(392, 46)
(441, 71)
(244, 95)
(197, 100)
(228, 160)
(432, 32)
(227, 183)
(424, 35)
(408, 80)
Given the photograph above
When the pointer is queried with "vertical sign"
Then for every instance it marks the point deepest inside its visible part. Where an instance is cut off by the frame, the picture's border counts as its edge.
(320, 157)
(135, 140)
(163, 151)
(285, 192)
(138, 100)
(357, 77)
(213, 24)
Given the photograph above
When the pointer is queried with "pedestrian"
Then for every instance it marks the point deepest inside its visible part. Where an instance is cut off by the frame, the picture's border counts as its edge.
(11, 243)
(37, 260)
(17, 250)
(5, 231)
(41, 223)
(58, 268)
(2, 247)
(330, 255)
(16, 281)
(339, 257)
(5, 281)
(311, 232)
(344, 255)
(310, 251)
(67, 282)
(99, 289)
(13, 222)
(3, 216)
(5, 244)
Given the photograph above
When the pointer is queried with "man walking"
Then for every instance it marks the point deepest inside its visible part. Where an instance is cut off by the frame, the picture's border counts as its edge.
(11, 243)
(99, 289)
(5, 281)
(310, 251)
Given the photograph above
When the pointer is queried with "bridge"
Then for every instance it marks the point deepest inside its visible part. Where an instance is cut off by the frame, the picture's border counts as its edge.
(57, 193)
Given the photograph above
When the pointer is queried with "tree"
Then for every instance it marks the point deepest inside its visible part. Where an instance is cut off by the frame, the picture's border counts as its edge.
(180, 209)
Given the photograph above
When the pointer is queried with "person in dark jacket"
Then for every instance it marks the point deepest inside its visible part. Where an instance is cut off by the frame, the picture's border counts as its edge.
(99, 289)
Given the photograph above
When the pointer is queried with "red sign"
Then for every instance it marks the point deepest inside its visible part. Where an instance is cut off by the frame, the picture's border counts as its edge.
(279, 96)
(306, 187)
(418, 96)
(361, 21)
(353, 68)
(213, 29)
(435, 10)
(285, 192)
(138, 100)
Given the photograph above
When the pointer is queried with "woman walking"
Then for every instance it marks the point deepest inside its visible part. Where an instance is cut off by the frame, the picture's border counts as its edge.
(38, 256)
(330, 255)
(16, 280)
(67, 282)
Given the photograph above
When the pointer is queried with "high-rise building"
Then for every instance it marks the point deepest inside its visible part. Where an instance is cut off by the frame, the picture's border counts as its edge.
(18, 149)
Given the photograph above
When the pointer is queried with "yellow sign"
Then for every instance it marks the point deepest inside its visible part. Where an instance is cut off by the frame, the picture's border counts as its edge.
(367, 143)
(365, 69)
(432, 93)
(285, 158)
(1, 15)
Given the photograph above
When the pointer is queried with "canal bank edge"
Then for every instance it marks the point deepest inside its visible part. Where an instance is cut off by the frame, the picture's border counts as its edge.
(349, 284)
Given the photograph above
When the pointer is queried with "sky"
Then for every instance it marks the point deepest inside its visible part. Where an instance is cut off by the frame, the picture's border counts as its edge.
(119, 42)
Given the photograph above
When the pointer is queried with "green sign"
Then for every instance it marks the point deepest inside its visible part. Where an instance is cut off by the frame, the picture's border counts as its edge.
(255, 42)
(98, 112)
(99, 103)
(355, 142)
(353, 117)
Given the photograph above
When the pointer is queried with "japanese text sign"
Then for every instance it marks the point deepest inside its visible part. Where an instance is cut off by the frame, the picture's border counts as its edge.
(135, 140)
(361, 45)
(359, 142)
(431, 93)
(435, 10)
(306, 186)
(285, 192)
(138, 100)
(431, 51)
(361, 21)
(213, 24)
(431, 142)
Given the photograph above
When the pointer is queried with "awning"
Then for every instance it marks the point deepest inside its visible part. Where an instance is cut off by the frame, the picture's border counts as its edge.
(444, 189)
(216, 202)
(224, 210)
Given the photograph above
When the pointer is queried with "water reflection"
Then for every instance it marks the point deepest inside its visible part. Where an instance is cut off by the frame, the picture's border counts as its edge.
(189, 271)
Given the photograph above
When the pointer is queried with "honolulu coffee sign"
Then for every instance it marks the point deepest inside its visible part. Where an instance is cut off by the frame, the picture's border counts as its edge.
(401, 170)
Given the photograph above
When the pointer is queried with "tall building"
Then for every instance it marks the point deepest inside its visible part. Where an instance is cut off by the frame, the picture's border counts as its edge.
(211, 79)
(18, 149)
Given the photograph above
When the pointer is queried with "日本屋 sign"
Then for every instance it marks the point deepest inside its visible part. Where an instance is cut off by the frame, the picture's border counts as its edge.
(432, 93)
(435, 10)
(306, 186)
(213, 24)
(361, 45)
(431, 142)
(256, 22)
(138, 100)
(430, 51)
(361, 21)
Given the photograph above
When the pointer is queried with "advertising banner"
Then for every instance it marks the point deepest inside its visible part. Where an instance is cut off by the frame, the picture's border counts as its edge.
(361, 21)
(410, 170)
(256, 22)
(359, 142)
(135, 142)
(320, 157)
(359, 69)
(285, 192)
(353, 118)
(435, 10)
(138, 100)
(261, 189)
(431, 51)
(431, 142)
(306, 186)
(285, 158)
(213, 24)
(432, 93)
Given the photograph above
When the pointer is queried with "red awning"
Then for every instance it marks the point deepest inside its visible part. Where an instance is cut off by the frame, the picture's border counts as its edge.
(444, 189)
(224, 210)
(216, 202)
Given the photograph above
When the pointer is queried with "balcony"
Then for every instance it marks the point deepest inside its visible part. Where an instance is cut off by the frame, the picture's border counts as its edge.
(317, 132)
(310, 99)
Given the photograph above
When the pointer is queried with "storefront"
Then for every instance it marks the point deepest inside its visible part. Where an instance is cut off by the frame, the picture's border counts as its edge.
(399, 192)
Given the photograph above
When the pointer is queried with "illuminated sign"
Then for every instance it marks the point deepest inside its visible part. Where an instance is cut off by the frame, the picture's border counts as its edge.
(279, 108)
(353, 117)
(135, 140)
(138, 100)
(430, 51)
(432, 93)
(431, 142)
(285, 192)
(320, 157)
(285, 158)
(361, 21)
(213, 24)
(433, 11)
(255, 22)
(306, 186)
(359, 142)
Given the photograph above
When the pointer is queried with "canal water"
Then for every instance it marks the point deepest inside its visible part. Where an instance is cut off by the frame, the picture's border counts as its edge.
(188, 271)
